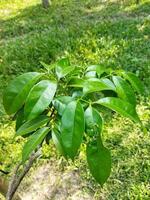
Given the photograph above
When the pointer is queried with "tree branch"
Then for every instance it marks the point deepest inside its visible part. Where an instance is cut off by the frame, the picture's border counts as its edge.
(16, 179)
(4, 172)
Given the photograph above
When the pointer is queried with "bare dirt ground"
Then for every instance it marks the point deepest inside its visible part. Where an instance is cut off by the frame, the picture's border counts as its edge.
(50, 182)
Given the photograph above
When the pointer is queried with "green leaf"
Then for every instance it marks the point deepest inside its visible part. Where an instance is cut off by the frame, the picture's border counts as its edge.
(92, 68)
(32, 125)
(96, 85)
(56, 137)
(63, 68)
(61, 102)
(93, 121)
(16, 92)
(100, 69)
(135, 82)
(122, 107)
(77, 93)
(2, 113)
(90, 74)
(19, 118)
(46, 66)
(72, 128)
(99, 161)
(76, 82)
(124, 90)
(39, 98)
(33, 142)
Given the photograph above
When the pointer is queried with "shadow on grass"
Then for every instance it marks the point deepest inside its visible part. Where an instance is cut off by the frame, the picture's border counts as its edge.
(68, 15)
(90, 32)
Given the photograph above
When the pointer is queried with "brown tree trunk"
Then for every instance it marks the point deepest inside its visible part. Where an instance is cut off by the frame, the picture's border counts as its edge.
(46, 3)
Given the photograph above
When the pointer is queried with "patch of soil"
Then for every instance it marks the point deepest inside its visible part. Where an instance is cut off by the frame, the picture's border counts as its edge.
(50, 182)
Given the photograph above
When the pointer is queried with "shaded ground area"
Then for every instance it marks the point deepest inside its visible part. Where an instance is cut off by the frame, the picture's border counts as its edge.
(115, 33)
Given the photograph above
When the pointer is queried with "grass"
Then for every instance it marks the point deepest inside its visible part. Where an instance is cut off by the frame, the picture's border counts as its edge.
(115, 33)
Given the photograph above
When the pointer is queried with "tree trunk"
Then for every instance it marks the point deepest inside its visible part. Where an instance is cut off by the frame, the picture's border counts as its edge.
(46, 3)
(137, 1)
(18, 177)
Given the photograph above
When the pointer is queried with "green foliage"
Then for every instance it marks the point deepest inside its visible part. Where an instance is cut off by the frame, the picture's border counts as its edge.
(32, 125)
(139, 87)
(124, 108)
(96, 85)
(124, 90)
(39, 98)
(57, 141)
(93, 121)
(72, 128)
(17, 91)
(61, 102)
(69, 117)
(63, 68)
(33, 142)
(99, 161)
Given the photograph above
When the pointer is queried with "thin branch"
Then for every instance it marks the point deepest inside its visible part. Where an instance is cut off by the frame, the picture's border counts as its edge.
(4, 172)
(16, 179)
(13, 180)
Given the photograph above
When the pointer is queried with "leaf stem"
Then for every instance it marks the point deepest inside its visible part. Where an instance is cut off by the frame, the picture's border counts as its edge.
(85, 101)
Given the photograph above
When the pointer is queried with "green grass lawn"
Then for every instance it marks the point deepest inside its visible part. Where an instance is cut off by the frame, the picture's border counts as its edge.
(115, 33)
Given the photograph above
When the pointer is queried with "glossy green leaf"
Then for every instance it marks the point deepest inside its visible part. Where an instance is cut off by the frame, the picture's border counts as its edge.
(92, 68)
(63, 68)
(19, 118)
(32, 125)
(96, 85)
(57, 141)
(61, 102)
(99, 161)
(93, 121)
(122, 107)
(39, 98)
(124, 90)
(100, 69)
(72, 128)
(76, 82)
(75, 73)
(135, 82)
(63, 62)
(77, 93)
(16, 92)
(91, 74)
(33, 142)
